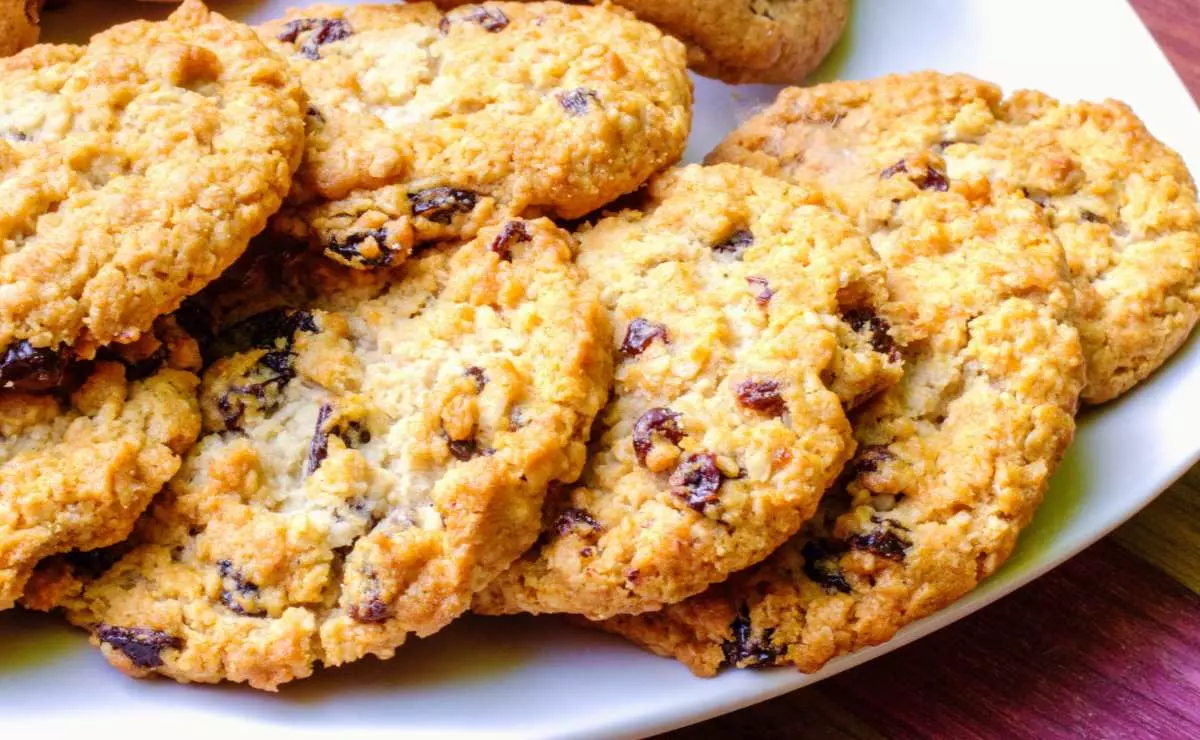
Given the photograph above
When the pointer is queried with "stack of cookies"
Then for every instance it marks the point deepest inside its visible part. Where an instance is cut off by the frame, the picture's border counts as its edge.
(322, 334)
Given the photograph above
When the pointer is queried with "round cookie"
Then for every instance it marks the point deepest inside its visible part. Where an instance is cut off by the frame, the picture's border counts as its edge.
(424, 126)
(741, 41)
(1122, 204)
(952, 461)
(85, 445)
(746, 319)
(369, 460)
(133, 171)
(18, 25)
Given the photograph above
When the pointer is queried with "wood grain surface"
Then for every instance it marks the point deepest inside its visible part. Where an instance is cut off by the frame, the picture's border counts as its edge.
(1105, 646)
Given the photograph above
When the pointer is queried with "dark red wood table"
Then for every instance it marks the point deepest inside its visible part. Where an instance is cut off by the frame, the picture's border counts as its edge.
(1105, 646)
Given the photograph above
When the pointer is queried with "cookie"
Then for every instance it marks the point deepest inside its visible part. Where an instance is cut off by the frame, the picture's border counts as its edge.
(951, 462)
(424, 126)
(740, 41)
(85, 445)
(18, 25)
(746, 319)
(1122, 204)
(134, 170)
(368, 462)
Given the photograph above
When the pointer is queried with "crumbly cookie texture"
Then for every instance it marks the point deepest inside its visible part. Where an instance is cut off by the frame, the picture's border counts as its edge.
(742, 41)
(18, 25)
(952, 461)
(746, 316)
(134, 170)
(366, 465)
(1122, 204)
(85, 445)
(424, 126)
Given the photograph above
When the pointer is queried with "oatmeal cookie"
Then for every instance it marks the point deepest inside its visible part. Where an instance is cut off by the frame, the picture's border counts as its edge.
(424, 126)
(740, 41)
(1122, 204)
(952, 461)
(366, 465)
(134, 170)
(85, 445)
(746, 317)
(18, 25)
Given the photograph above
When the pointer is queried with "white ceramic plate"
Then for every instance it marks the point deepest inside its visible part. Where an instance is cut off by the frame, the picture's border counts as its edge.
(538, 679)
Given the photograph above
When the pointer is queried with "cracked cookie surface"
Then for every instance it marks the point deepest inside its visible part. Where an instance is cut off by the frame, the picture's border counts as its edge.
(745, 41)
(952, 461)
(134, 170)
(424, 126)
(85, 445)
(1122, 203)
(745, 318)
(376, 448)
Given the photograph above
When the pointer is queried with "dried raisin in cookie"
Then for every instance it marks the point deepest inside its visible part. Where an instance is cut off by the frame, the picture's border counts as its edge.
(745, 317)
(85, 445)
(1122, 204)
(18, 25)
(952, 461)
(739, 41)
(425, 126)
(366, 465)
(134, 170)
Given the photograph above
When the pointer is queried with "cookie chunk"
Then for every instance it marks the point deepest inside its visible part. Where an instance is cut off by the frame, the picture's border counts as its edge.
(133, 171)
(740, 41)
(85, 445)
(746, 317)
(951, 462)
(18, 25)
(366, 465)
(424, 126)
(1122, 204)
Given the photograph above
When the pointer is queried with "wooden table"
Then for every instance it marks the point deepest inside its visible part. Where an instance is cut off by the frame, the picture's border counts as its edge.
(1105, 646)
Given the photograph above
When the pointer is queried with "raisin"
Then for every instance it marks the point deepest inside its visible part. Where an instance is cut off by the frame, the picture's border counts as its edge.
(352, 434)
(264, 393)
(324, 31)
(765, 294)
(141, 645)
(440, 204)
(820, 563)
(463, 449)
(240, 586)
(514, 232)
(736, 243)
(869, 458)
(1091, 217)
(886, 542)
(661, 420)
(697, 480)
(372, 612)
(28, 369)
(861, 319)
(479, 375)
(492, 20)
(933, 179)
(762, 396)
(577, 101)
(350, 249)
(743, 650)
(572, 519)
(640, 333)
